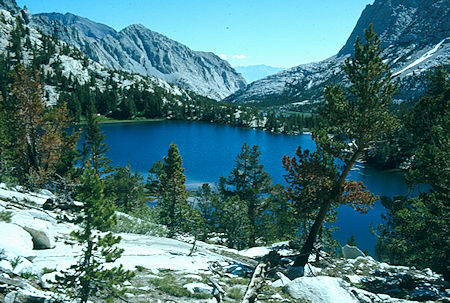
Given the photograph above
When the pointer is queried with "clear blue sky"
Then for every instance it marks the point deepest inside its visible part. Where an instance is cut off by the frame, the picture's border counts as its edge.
(281, 33)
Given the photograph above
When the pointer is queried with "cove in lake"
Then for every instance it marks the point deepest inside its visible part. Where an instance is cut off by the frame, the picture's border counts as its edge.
(209, 150)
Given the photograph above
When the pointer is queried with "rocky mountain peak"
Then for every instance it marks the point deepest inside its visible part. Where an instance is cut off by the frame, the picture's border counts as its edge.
(9, 5)
(138, 49)
(87, 27)
(402, 22)
(415, 37)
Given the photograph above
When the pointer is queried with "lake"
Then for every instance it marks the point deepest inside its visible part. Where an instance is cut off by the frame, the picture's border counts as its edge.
(209, 150)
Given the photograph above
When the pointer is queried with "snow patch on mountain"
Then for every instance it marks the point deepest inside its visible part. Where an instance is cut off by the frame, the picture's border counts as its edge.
(426, 56)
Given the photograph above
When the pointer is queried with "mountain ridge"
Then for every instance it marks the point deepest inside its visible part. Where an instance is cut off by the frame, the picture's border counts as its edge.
(87, 27)
(419, 41)
(140, 50)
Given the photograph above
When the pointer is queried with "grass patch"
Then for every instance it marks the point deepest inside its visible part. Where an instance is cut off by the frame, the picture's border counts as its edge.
(235, 293)
(238, 281)
(5, 216)
(47, 270)
(27, 275)
(168, 286)
(141, 222)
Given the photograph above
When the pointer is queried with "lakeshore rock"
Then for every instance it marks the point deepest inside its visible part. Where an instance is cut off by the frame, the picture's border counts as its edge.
(352, 252)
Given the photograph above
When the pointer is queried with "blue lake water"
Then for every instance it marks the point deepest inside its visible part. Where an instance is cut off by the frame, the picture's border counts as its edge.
(209, 151)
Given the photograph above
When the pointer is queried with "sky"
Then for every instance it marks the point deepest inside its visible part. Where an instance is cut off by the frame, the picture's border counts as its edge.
(280, 33)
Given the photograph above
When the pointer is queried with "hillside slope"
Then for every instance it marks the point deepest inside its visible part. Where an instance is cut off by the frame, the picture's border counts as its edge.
(165, 270)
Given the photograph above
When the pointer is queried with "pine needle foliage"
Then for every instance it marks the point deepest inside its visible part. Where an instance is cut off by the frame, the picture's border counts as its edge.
(353, 119)
(89, 278)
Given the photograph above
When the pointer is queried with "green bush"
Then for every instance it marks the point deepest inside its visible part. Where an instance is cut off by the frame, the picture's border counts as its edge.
(140, 222)
(5, 216)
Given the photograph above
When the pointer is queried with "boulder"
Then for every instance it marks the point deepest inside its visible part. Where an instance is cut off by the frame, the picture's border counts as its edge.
(40, 230)
(10, 297)
(37, 214)
(47, 280)
(24, 266)
(238, 270)
(195, 288)
(15, 240)
(320, 289)
(352, 252)
(282, 281)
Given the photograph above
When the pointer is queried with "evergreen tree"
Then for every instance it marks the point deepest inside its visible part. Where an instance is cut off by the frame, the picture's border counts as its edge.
(279, 220)
(208, 205)
(234, 222)
(94, 148)
(88, 278)
(351, 241)
(414, 232)
(172, 190)
(430, 126)
(352, 122)
(41, 145)
(125, 189)
(251, 184)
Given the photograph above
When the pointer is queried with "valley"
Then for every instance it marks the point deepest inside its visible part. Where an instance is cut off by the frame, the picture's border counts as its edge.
(134, 168)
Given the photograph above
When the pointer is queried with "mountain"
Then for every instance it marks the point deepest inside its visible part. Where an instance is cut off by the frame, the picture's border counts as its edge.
(137, 49)
(415, 37)
(65, 70)
(252, 73)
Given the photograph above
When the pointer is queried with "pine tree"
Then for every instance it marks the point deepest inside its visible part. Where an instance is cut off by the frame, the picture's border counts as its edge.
(251, 184)
(125, 189)
(351, 241)
(430, 126)
(279, 220)
(234, 222)
(172, 190)
(41, 146)
(89, 278)
(401, 237)
(94, 149)
(352, 121)
(208, 205)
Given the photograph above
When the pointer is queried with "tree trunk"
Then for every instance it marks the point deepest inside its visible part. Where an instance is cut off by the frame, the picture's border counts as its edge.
(307, 248)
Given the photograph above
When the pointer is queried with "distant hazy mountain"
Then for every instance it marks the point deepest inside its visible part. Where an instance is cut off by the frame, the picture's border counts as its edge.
(255, 72)
(415, 36)
(140, 50)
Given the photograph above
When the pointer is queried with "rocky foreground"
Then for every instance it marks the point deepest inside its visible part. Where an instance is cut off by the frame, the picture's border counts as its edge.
(35, 245)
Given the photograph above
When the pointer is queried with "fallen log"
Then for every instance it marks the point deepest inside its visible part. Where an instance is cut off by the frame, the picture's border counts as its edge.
(255, 284)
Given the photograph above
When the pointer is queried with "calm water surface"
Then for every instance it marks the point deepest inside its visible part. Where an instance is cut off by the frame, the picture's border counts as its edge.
(209, 150)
